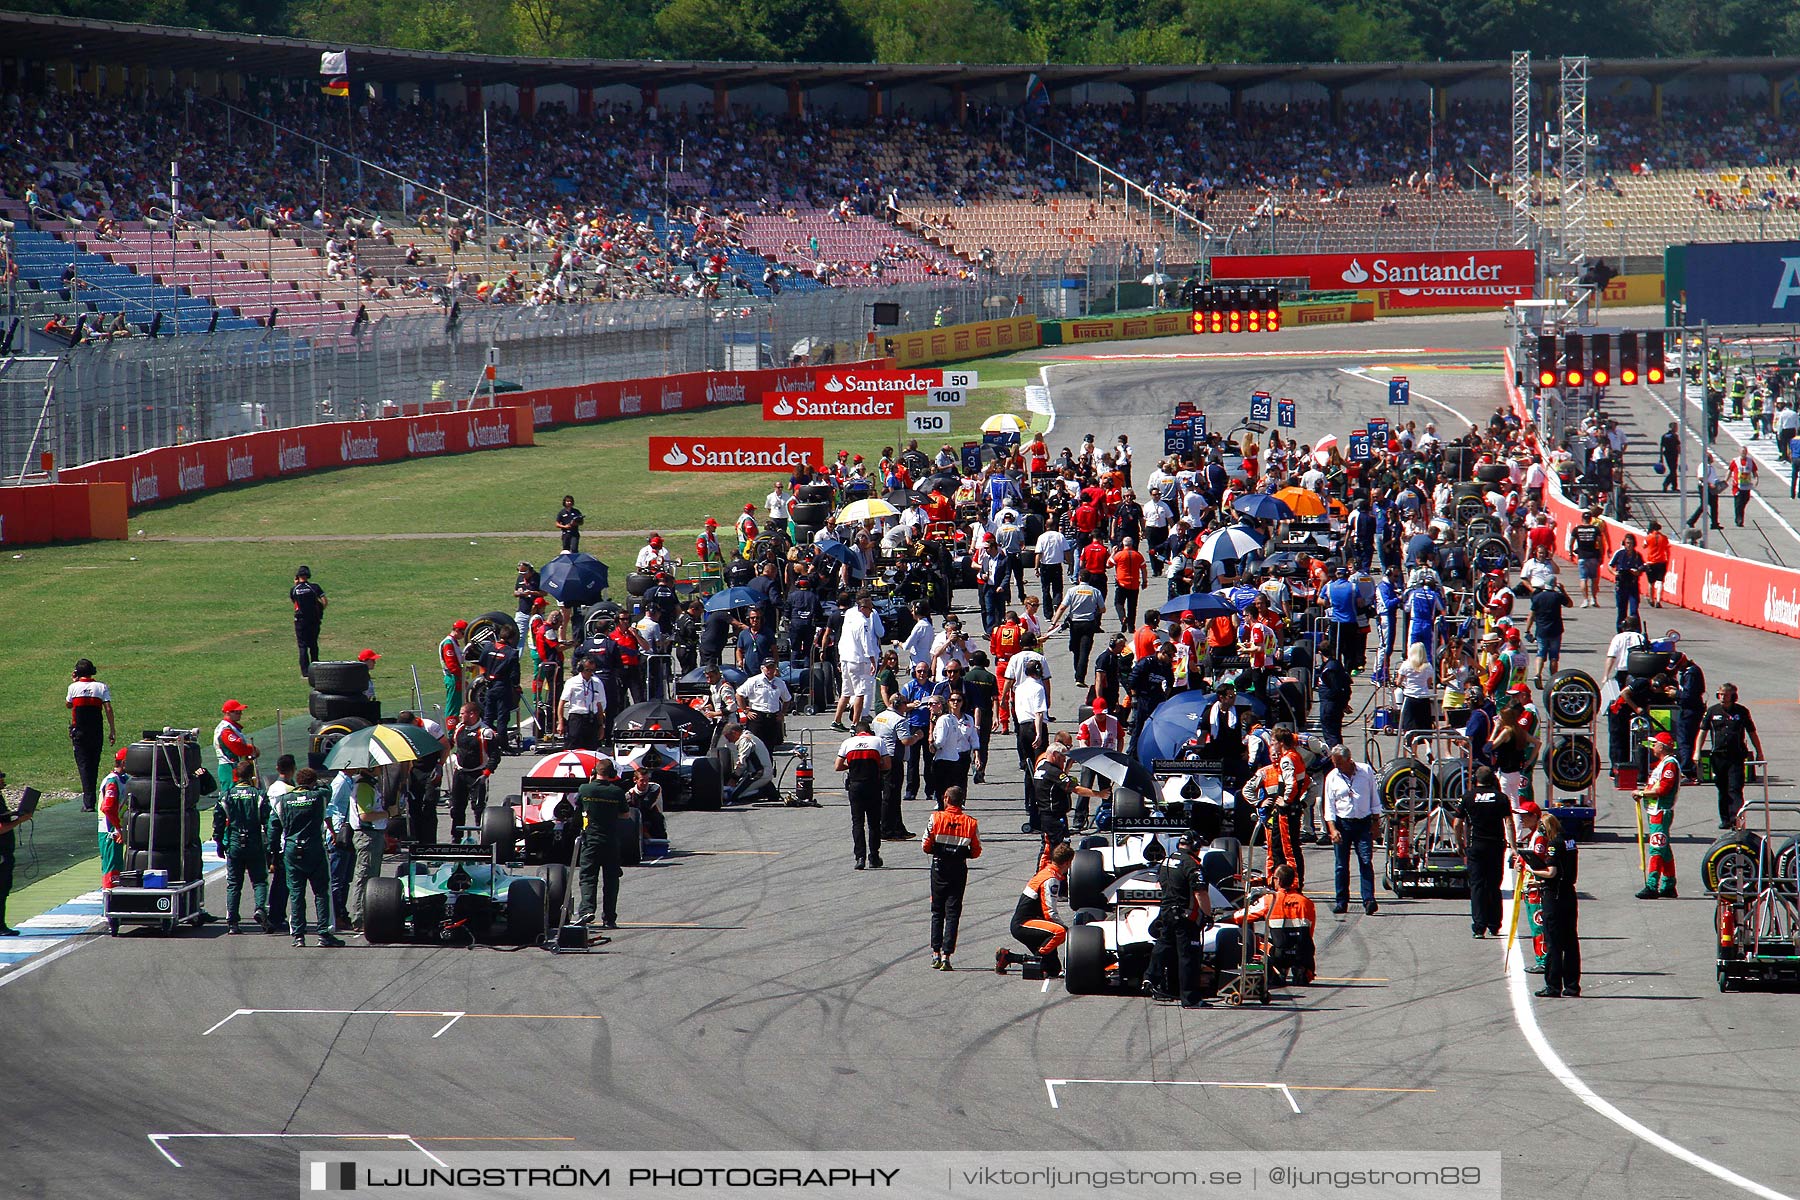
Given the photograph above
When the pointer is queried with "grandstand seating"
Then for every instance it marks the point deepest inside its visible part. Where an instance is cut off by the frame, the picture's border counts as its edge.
(1065, 228)
(105, 288)
(856, 242)
(1648, 212)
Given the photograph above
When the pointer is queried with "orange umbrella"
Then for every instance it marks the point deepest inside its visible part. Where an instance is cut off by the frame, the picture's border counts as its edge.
(1304, 503)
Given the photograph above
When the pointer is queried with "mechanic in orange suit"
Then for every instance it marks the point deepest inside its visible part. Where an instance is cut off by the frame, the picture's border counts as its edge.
(1292, 918)
(1038, 917)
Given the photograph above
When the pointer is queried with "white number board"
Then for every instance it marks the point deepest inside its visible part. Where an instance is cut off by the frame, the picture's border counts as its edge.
(935, 424)
(947, 397)
(960, 379)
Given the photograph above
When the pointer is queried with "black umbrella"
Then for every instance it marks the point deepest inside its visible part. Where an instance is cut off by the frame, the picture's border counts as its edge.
(1116, 768)
(947, 484)
(904, 497)
(664, 716)
(573, 578)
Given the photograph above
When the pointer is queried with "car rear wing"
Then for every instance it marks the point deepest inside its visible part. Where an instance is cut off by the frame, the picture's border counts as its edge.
(465, 852)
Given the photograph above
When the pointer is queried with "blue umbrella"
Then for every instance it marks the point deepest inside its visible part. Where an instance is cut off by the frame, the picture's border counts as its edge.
(733, 597)
(848, 555)
(1201, 604)
(1263, 507)
(573, 578)
(1177, 719)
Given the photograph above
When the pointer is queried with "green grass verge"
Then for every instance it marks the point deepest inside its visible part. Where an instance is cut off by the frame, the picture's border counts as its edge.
(178, 627)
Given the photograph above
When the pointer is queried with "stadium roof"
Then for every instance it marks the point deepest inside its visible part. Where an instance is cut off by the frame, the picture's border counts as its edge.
(40, 37)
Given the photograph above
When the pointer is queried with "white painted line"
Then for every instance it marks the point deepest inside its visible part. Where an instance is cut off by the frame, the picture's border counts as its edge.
(1363, 374)
(1050, 1086)
(1228, 355)
(1724, 427)
(1526, 1017)
(14, 974)
(345, 1012)
(62, 920)
(1046, 986)
(157, 1140)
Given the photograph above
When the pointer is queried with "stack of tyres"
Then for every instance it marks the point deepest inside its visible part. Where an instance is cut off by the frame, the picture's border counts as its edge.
(341, 689)
(812, 504)
(162, 808)
(1571, 754)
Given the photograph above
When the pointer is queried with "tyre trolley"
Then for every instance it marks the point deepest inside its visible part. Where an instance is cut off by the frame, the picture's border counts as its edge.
(1757, 918)
(1422, 835)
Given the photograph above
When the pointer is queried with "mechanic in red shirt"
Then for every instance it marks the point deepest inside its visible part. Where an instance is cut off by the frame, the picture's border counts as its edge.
(1093, 558)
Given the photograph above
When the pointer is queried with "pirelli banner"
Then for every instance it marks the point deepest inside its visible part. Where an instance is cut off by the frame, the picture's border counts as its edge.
(1116, 329)
(954, 343)
(1408, 281)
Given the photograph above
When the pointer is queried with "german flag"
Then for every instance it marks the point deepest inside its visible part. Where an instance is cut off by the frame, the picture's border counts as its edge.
(336, 87)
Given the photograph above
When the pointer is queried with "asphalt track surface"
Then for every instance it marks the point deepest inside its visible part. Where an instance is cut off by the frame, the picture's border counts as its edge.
(763, 995)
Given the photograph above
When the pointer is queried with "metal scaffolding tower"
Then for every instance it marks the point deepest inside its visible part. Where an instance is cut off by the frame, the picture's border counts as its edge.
(1572, 158)
(1521, 149)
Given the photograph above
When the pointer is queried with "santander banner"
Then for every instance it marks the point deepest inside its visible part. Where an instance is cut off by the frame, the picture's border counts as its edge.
(839, 406)
(872, 379)
(1413, 279)
(1733, 589)
(714, 455)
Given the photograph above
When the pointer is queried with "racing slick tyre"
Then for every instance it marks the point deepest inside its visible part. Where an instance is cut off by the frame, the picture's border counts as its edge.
(525, 912)
(1468, 491)
(330, 706)
(155, 795)
(1731, 862)
(1647, 664)
(384, 911)
(1088, 878)
(339, 678)
(1480, 526)
(1404, 785)
(630, 836)
(706, 788)
(1492, 472)
(164, 759)
(499, 827)
(810, 515)
(1092, 841)
(1128, 807)
(1084, 970)
(477, 694)
(330, 733)
(172, 861)
(637, 583)
(601, 619)
(1574, 699)
(1571, 760)
(1452, 779)
(556, 892)
(482, 629)
(168, 829)
(1491, 553)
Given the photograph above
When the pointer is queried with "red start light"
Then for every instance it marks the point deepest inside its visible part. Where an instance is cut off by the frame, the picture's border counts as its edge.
(1546, 378)
(1574, 378)
(1654, 375)
(1601, 378)
(1627, 376)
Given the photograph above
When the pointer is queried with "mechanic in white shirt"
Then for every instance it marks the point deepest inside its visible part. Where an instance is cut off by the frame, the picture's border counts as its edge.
(1193, 507)
(859, 649)
(752, 768)
(1016, 668)
(777, 503)
(581, 709)
(1052, 552)
(1102, 730)
(1351, 804)
(919, 640)
(1031, 723)
(763, 699)
(1539, 570)
(948, 647)
(655, 557)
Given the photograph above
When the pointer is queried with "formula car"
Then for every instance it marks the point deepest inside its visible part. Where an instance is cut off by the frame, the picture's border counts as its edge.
(463, 895)
(675, 741)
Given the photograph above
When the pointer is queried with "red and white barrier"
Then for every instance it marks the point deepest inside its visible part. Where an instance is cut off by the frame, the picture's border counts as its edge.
(1704, 581)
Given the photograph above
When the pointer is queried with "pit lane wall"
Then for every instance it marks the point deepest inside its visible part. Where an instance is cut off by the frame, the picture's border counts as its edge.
(1704, 581)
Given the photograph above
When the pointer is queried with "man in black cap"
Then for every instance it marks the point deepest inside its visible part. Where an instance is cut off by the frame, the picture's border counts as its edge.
(1186, 908)
(309, 613)
(603, 802)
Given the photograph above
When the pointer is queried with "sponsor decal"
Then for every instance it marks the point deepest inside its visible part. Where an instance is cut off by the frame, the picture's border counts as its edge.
(805, 406)
(428, 440)
(1383, 272)
(290, 458)
(793, 383)
(734, 454)
(720, 392)
(1715, 594)
(358, 449)
(542, 414)
(671, 398)
(190, 477)
(1332, 314)
(145, 487)
(239, 467)
(631, 402)
(586, 410)
(908, 383)
(497, 433)
(1789, 287)
(1782, 610)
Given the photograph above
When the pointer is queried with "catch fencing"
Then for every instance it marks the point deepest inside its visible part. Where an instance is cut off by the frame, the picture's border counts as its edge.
(110, 398)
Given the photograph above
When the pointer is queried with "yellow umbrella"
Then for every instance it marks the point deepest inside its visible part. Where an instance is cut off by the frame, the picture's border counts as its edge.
(1305, 503)
(867, 510)
(1005, 423)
